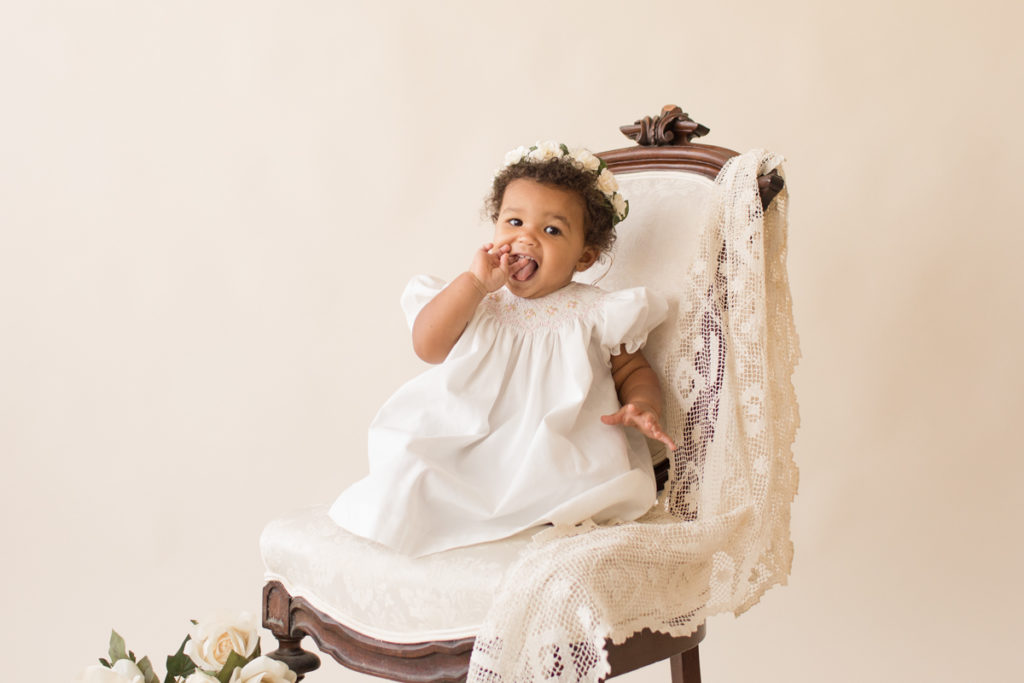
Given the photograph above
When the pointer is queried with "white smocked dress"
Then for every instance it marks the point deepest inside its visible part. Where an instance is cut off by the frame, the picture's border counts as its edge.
(506, 433)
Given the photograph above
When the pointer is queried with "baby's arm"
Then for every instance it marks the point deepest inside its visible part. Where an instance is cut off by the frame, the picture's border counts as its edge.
(443, 320)
(640, 396)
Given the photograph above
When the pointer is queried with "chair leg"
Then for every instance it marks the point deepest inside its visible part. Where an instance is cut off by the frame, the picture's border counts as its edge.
(291, 653)
(278, 619)
(685, 667)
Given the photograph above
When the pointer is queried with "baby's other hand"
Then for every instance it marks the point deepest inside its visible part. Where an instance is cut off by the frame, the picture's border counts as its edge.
(490, 266)
(642, 417)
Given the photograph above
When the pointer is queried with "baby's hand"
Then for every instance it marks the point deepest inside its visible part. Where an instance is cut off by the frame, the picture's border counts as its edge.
(642, 417)
(490, 266)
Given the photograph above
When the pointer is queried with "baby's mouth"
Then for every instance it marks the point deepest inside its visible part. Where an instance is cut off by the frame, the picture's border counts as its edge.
(523, 267)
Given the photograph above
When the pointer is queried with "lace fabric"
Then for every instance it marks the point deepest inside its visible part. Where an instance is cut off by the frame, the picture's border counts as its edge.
(719, 537)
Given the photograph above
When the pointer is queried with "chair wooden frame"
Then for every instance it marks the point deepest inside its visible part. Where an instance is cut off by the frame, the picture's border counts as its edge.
(663, 143)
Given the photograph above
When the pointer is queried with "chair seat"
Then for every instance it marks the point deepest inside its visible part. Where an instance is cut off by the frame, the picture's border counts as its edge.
(378, 592)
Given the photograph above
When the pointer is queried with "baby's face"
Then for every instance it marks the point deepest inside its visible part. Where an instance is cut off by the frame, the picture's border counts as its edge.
(543, 226)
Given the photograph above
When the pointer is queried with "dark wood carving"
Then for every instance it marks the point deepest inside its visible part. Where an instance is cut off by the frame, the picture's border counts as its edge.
(663, 144)
(671, 127)
(278, 619)
(292, 618)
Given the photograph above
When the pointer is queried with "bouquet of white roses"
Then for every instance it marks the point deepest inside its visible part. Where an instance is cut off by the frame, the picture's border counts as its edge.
(219, 649)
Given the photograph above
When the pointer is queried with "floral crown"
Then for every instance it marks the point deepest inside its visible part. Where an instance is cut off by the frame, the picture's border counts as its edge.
(581, 158)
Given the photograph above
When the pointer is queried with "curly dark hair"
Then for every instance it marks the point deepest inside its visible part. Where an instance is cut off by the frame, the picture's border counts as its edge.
(598, 213)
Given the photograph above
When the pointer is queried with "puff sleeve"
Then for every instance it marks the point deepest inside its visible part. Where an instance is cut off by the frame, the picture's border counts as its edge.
(628, 316)
(418, 293)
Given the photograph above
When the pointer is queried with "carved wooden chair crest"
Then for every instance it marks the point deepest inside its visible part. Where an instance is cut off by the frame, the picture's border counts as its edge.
(413, 620)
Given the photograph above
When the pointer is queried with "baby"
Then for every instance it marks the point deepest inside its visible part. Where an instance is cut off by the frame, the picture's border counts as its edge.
(521, 422)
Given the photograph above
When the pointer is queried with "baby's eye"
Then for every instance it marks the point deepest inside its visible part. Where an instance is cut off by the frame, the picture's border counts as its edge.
(552, 230)
(515, 222)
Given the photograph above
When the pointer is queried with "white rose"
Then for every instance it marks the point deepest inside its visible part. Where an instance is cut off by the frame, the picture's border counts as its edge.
(200, 677)
(264, 670)
(586, 159)
(124, 671)
(606, 182)
(214, 638)
(619, 204)
(516, 155)
(548, 149)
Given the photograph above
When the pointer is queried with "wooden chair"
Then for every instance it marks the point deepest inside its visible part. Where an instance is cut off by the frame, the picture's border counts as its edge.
(292, 612)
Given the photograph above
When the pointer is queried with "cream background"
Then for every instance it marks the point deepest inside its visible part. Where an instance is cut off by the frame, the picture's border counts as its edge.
(208, 210)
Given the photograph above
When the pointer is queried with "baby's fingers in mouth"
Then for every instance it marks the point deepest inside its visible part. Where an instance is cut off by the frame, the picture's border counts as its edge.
(517, 264)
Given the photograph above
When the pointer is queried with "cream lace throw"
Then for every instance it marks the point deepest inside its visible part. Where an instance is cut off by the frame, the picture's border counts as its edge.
(720, 537)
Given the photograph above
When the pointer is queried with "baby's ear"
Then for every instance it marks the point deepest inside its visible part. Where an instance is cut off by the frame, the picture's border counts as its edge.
(587, 258)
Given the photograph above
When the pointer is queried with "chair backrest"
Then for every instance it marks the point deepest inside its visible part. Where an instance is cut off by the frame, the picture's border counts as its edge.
(669, 182)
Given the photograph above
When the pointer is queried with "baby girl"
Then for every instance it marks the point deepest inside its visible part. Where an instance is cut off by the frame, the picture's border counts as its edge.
(538, 405)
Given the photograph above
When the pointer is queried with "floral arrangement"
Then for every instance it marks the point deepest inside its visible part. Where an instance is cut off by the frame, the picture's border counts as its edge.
(221, 649)
(581, 158)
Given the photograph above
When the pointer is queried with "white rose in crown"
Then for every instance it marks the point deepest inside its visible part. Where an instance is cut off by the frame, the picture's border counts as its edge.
(586, 159)
(215, 638)
(548, 149)
(123, 671)
(516, 155)
(619, 204)
(264, 670)
(606, 182)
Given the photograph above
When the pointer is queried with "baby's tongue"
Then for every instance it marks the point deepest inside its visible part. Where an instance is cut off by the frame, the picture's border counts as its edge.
(529, 269)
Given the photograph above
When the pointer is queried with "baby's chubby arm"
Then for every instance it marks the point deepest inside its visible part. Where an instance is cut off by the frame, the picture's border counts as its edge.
(443, 320)
(640, 396)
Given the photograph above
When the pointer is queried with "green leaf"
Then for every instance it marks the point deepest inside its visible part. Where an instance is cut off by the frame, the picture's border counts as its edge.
(179, 664)
(147, 670)
(255, 653)
(105, 663)
(116, 650)
(235, 661)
